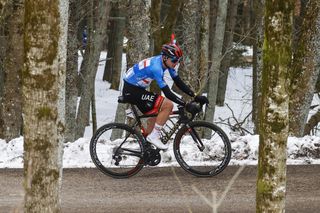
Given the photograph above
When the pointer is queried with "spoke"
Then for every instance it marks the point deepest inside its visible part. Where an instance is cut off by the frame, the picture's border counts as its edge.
(203, 150)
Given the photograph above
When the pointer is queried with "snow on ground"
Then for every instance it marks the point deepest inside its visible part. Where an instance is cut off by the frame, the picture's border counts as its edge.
(238, 97)
(244, 152)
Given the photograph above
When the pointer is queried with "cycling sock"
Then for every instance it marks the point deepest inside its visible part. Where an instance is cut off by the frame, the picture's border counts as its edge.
(156, 129)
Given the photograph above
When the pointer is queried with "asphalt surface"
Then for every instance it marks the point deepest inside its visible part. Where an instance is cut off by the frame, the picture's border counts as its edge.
(166, 190)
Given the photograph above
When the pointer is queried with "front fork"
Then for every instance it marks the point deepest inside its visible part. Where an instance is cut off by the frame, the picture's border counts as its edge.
(196, 138)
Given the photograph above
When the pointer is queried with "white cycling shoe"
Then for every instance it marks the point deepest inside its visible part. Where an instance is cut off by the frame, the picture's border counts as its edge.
(155, 140)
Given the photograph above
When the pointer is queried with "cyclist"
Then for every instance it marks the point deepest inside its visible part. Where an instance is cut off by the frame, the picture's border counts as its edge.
(139, 77)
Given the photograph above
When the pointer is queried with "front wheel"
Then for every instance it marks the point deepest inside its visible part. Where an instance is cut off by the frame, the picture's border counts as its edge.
(116, 150)
(202, 149)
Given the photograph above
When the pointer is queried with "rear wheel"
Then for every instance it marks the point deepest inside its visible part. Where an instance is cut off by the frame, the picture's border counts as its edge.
(117, 151)
(202, 149)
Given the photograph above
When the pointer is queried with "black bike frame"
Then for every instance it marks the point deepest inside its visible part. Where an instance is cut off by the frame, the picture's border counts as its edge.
(183, 119)
(138, 118)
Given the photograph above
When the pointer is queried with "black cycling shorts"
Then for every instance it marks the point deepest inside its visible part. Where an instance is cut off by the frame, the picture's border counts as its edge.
(147, 102)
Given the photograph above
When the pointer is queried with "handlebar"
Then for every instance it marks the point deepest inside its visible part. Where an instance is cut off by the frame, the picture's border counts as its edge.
(183, 111)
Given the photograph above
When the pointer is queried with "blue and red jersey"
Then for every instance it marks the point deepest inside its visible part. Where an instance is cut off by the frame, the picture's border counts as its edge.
(147, 70)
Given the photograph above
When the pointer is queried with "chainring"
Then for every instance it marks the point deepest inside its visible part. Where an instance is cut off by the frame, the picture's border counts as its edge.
(152, 156)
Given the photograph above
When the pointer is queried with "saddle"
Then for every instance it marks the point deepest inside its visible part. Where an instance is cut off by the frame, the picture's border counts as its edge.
(122, 100)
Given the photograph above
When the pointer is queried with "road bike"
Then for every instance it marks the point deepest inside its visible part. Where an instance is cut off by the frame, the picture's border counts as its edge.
(121, 150)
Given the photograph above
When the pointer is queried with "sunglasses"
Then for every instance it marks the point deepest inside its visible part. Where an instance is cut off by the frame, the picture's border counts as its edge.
(175, 60)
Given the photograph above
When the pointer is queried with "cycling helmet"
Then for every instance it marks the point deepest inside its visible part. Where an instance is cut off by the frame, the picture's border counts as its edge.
(171, 51)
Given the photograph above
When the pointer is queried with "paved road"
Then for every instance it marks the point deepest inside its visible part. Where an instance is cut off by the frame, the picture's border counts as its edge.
(159, 190)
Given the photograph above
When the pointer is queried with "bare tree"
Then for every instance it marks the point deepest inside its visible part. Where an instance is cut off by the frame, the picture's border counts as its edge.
(3, 4)
(164, 15)
(305, 67)
(3, 43)
(203, 53)
(97, 18)
(43, 91)
(227, 47)
(10, 103)
(212, 28)
(117, 22)
(138, 28)
(245, 21)
(216, 58)
(156, 28)
(72, 71)
(274, 120)
(190, 37)
(193, 32)
(257, 60)
(312, 123)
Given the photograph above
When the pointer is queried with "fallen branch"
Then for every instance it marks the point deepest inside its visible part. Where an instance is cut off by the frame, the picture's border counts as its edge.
(237, 127)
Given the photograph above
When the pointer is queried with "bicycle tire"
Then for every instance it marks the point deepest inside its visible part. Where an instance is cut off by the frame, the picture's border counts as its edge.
(105, 151)
(195, 161)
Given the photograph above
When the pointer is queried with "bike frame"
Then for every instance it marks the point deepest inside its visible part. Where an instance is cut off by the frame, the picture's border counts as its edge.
(138, 118)
(138, 124)
(182, 119)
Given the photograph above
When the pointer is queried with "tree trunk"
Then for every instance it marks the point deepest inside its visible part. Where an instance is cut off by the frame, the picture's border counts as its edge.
(10, 108)
(203, 57)
(162, 25)
(4, 12)
(274, 120)
(190, 36)
(257, 61)
(3, 44)
(316, 89)
(82, 23)
(3, 4)
(93, 112)
(227, 47)
(194, 34)
(212, 29)
(43, 93)
(155, 28)
(96, 34)
(112, 71)
(312, 123)
(72, 71)
(216, 59)
(138, 28)
(164, 15)
(2, 54)
(247, 12)
(244, 22)
(305, 68)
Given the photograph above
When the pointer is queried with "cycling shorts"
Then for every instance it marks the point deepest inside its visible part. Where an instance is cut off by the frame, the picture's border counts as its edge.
(147, 102)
